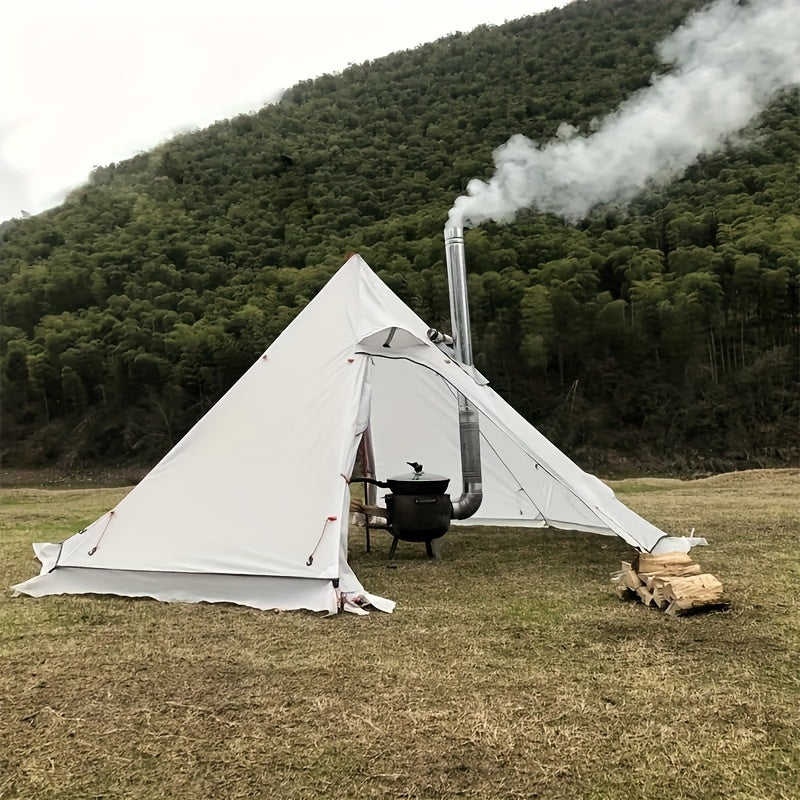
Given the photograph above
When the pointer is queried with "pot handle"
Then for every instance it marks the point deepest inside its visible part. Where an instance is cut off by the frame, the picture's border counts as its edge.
(373, 481)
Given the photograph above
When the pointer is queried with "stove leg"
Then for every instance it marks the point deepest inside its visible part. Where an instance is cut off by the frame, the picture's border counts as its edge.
(433, 547)
(393, 548)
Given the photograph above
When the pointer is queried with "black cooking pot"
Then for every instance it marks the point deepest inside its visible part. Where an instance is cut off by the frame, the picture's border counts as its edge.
(416, 482)
(419, 517)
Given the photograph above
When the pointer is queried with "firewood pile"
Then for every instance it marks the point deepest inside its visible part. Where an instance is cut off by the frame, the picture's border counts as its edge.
(671, 582)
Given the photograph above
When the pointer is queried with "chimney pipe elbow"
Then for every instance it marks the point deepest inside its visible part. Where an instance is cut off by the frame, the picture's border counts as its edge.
(469, 502)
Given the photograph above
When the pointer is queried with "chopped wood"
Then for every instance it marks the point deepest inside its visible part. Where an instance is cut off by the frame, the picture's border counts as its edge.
(670, 581)
(645, 595)
(649, 562)
(694, 590)
(677, 571)
(648, 578)
(658, 597)
(657, 582)
(628, 577)
(684, 570)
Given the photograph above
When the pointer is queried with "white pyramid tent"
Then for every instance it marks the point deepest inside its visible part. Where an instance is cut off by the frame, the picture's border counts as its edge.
(251, 506)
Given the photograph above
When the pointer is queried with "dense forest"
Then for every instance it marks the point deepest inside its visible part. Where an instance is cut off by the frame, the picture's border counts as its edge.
(665, 333)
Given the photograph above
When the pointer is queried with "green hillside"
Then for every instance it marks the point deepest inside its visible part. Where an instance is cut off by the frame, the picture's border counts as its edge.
(665, 333)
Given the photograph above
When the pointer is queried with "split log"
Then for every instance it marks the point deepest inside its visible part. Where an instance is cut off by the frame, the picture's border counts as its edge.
(658, 597)
(655, 586)
(645, 595)
(661, 563)
(695, 591)
(678, 588)
(628, 577)
(677, 571)
(649, 579)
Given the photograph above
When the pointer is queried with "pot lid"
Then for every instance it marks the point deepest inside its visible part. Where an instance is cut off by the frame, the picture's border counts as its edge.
(418, 475)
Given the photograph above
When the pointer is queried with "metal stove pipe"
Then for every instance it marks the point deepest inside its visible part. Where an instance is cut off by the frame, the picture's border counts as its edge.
(472, 491)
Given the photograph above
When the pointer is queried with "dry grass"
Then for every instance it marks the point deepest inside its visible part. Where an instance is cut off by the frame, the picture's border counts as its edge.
(509, 670)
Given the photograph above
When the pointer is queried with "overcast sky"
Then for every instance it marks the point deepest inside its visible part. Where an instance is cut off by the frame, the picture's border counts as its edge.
(88, 82)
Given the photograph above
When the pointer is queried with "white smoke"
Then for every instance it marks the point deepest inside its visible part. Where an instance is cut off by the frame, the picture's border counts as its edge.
(729, 60)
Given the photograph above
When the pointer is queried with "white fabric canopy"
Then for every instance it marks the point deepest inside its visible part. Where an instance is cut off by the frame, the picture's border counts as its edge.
(251, 505)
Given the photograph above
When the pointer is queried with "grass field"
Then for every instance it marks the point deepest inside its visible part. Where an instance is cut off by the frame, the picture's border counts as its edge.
(509, 670)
